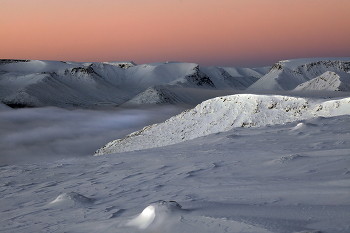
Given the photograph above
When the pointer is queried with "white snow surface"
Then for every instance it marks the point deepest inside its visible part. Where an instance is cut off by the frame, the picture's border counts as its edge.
(330, 81)
(225, 113)
(272, 179)
(240, 163)
(287, 75)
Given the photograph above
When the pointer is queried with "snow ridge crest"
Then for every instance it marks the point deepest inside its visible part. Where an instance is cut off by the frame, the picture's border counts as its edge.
(225, 113)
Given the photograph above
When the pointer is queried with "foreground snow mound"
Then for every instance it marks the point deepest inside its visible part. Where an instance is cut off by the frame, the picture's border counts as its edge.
(158, 216)
(287, 75)
(329, 81)
(72, 199)
(225, 113)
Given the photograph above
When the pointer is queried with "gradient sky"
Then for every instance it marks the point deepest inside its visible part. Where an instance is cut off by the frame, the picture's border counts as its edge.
(240, 33)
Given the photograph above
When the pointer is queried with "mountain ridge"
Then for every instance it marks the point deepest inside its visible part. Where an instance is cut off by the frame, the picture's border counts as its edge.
(36, 83)
(329, 81)
(225, 113)
(287, 75)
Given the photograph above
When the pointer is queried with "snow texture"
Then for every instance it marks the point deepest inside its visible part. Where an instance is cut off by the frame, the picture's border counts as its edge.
(225, 113)
(281, 178)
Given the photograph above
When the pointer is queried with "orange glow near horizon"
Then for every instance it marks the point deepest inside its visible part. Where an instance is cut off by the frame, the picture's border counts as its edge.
(242, 33)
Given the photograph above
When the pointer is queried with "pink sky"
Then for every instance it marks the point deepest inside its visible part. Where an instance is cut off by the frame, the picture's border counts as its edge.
(241, 33)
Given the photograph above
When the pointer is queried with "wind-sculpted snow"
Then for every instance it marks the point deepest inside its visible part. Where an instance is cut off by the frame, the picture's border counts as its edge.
(71, 199)
(225, 113)
(156, 216)
(286, 75)
(285, 178)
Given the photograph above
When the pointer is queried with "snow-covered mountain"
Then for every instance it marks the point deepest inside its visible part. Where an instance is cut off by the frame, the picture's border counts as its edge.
(329, 81)
(55, 83)
(193, 89)
(287, 75)
(225, 113)
(159, 94)
(236, 78)
(35, 83)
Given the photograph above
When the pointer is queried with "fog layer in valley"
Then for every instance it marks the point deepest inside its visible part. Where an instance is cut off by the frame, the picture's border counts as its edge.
(43, 134)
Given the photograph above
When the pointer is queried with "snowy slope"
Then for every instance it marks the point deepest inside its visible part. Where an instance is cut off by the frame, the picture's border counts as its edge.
(159, 94)
(232, 78)
(225, 113)
(286, 75)
(203, 79)
(274, 179)
(330, 81)
(26, 83)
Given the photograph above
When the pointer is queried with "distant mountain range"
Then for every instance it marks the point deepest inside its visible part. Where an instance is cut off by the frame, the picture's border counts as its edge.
(34, 83)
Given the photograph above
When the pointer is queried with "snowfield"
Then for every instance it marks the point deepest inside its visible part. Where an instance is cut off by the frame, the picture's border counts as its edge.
(283, 178)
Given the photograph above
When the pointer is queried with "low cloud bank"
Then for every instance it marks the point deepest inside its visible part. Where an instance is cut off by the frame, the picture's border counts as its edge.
(46, 134)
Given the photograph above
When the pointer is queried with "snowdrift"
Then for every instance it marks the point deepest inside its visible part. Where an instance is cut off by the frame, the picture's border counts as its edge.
(158, 216)
(71, 199)
(225, 113)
